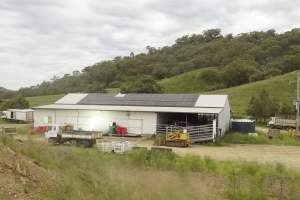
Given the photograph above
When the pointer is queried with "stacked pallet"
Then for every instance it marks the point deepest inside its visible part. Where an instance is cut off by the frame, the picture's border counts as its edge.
(115, 147)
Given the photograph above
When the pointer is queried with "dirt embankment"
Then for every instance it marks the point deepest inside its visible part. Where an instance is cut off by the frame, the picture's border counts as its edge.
(20, 178)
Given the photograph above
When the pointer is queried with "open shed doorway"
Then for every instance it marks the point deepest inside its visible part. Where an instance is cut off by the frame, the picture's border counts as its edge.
(200, 127)
(185, 119)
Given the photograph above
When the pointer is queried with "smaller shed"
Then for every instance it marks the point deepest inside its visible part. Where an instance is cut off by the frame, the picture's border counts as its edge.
(25, 115)
(243, 125)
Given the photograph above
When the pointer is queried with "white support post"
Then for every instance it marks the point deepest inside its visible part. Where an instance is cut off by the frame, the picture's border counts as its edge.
(214, 130)
(297, 103)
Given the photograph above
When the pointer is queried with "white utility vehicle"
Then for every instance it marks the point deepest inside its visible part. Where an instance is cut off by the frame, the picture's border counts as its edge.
(65, 134)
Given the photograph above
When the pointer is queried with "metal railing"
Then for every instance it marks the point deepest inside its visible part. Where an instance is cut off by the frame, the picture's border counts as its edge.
(198, 133)
(201, 133)
(163, 128)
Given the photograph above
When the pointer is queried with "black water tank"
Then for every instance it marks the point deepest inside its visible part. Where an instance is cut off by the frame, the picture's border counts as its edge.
(243, 125)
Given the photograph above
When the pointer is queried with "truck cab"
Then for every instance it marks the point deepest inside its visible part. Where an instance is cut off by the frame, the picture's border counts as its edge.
(271, 123)
(3, 114)
(53, 131)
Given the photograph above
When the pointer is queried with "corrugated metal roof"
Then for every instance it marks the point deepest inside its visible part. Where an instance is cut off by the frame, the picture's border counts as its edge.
(145, 100)
(21, 110)
(133, 108)
(211, 101)
(72, 98)
(168, 100)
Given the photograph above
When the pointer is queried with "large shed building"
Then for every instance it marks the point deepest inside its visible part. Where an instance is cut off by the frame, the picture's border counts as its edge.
(139, 113)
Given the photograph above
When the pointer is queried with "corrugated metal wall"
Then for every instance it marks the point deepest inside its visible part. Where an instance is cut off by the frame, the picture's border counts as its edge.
(224, 118)
(136, 122)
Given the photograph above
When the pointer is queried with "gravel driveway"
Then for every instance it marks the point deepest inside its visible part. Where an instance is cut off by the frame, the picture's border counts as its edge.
(287, 155)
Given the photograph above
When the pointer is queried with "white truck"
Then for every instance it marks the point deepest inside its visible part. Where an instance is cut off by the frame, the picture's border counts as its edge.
(277, 122)
(56, 134)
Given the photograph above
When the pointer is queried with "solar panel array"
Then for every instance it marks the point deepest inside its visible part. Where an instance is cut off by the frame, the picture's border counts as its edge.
(164, 100)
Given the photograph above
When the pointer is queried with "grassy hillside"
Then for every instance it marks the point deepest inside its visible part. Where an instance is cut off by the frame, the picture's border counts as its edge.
(43, 100)
(282, 88)
(188, 82)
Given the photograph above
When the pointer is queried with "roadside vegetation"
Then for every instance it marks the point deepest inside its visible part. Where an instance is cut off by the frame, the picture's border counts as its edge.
(76, 173)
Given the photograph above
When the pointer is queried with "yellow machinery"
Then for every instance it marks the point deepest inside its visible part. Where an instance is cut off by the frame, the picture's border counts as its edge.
(177, 138)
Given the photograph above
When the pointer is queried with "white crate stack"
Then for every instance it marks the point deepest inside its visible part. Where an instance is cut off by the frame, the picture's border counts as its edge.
(116, 147)
(107, 147)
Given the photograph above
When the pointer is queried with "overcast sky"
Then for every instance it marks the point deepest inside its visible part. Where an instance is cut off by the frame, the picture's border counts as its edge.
(42, 38)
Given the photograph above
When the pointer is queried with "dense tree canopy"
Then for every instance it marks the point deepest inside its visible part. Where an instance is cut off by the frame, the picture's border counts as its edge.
(239, 59)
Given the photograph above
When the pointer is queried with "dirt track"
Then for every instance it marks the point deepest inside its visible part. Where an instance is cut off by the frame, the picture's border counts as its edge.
(287, 155)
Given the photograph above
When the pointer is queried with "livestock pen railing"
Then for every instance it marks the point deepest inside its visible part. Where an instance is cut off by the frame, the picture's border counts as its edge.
(198, 133)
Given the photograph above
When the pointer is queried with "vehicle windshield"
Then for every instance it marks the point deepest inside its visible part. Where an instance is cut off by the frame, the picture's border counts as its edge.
(51, 128)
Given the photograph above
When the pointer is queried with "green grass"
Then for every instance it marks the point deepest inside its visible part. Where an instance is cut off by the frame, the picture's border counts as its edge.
(240, 138)
(2, 121)
(113, 90)
(282, 88)
(188, 82)
(90, 174)
(43, 100)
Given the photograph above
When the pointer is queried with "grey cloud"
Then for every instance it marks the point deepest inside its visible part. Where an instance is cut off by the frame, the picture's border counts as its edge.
(42, 38)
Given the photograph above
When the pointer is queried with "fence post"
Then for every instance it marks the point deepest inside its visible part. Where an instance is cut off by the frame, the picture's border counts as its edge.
(214, 130)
